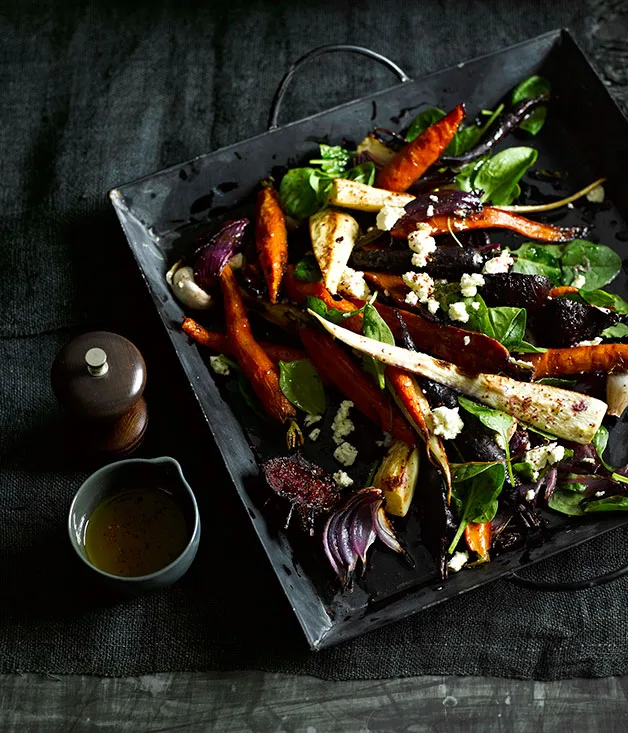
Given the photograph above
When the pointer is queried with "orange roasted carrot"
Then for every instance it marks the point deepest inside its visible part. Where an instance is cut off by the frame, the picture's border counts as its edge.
(580, 360)
(220, 342)
(478, 538)
(333, 363)
(271, 238)
(253, 360)
(392, 286)
(493, 218)
(417, 156)
(561, 290)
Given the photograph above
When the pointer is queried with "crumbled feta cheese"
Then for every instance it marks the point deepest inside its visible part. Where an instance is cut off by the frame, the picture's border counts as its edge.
(386, 442)
(311, 419)
(346, 454)
(579, 281)
(430, 210)
(341, 425)
(467, 340)
(432, 305)
(421, 283)
(447, 422)
(343, 480)
(592, 342)
(433, 198)
(422, 244)
(458, 561)
(314, 434)
(458, 312)
(352, 283)
(598, 494)
(412, 298)
(596, 196)
(388, 216)
(499, 264)
(469, 284)
(530, 495)
(475, 305)
(544, 455)
(219, 364)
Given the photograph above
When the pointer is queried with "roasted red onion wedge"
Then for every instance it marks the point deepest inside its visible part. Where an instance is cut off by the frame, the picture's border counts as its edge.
(212, 256)
(349, 532)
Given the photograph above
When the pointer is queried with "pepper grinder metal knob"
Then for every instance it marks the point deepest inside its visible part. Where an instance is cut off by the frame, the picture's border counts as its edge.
(99, 378)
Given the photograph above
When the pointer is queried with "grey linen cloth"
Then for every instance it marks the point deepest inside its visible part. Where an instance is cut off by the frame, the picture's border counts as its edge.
(95, 94)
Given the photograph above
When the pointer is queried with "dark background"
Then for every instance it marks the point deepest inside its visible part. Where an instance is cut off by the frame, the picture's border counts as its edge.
(96, 94)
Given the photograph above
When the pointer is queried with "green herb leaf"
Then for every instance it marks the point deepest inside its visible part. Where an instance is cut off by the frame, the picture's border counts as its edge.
(618, 331)
(509, 325)
(464, 471)
(334, 159)
(422, 121)
(596, 262)
(557, 382)
(530, 88)
(375, 327)
(539, 259)
(498, 176)
(606, 504)
(466, 177)
(331, 314)
(466, 138)
(523, 347)
(566, 501)
(600, 441)
(308, 270)
(301, 384)
(298, 198)
(362, 173)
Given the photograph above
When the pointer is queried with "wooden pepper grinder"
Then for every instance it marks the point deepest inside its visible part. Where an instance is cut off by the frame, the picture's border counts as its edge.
(99, 378)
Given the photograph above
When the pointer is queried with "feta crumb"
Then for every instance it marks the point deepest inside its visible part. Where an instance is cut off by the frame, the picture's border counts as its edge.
(579, 281)
(422, 244)
(412, 298)
(500, 264)
(457, 561)
(219, 365)
(544, 455)
(311, 419)
(530, 495)
(592, 342)
(341, 425)
(596, 196)
(388, 216)
(386, 442)
(476, 305)
(469, 284)
(421, 283)
(599, 493)
(430, 210)
(447, 422)
(314, 434)
(458, 312)
(346, 454)
(352, 283)
(467, 340)
(432, 305)
(343, 480)
(433, 198)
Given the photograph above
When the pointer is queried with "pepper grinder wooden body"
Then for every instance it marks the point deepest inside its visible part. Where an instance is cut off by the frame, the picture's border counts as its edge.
(99, 378)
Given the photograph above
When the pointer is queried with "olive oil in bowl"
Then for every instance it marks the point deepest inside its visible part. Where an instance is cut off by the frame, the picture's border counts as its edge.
(136, 532)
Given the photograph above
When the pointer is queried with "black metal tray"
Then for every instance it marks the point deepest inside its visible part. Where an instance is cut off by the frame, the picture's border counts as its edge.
(586, 134)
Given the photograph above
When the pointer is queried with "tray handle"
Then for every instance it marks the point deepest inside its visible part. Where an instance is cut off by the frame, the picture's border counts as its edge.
(571, 585)
(331, 48)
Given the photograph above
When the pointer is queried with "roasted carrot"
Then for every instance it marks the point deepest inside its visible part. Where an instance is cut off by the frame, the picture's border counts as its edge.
(253, 360)
(417, 156)
(390, 285)
(493, 218)
(220, 342)
(271, 239)
(580, 360)
(478, 538)
(561, 290)
(333, 363)
(298, 290)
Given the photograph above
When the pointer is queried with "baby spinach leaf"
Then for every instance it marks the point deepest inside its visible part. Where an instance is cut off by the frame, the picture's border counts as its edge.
(330, 314)
(302, 385)
(308, 270)
(374, 326)
(362, 173)
(618, 331)
(464, 471)
(466, 177)
(509, 325)
(600, 441)
(539, 259)
(422, 121)
(566, 501)
(466, 138)
(606, 504)
(498, 176)
(479, 497)
(298, 198)
(334, 159)
(530, 88)
(596, 262)
(523, 347)
(603, 299)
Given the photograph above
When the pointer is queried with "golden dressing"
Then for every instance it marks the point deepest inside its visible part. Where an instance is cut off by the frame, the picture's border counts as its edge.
(136, 532)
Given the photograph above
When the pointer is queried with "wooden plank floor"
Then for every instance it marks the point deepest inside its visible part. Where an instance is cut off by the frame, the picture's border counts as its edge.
(256, 702)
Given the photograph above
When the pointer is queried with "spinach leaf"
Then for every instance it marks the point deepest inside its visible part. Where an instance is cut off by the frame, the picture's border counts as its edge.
(301, 384)
(478, 497)
(600, 441)
(567, 501)
(596, 262)
(362, 173)
(496, 420)
(334, 159)
(321, 181)
(539, 259)
(604, 300)
(422, 121)
(503, 323)
(523, 347)
(298, 198)
(308, 270)
(606, 504)
(466, 177)
(499, 176)
(466, 138)
(618, 331)
(242, 388)
(464, 471)
(331, 314)
(374, 326)
(530, 88)
(558, 382)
